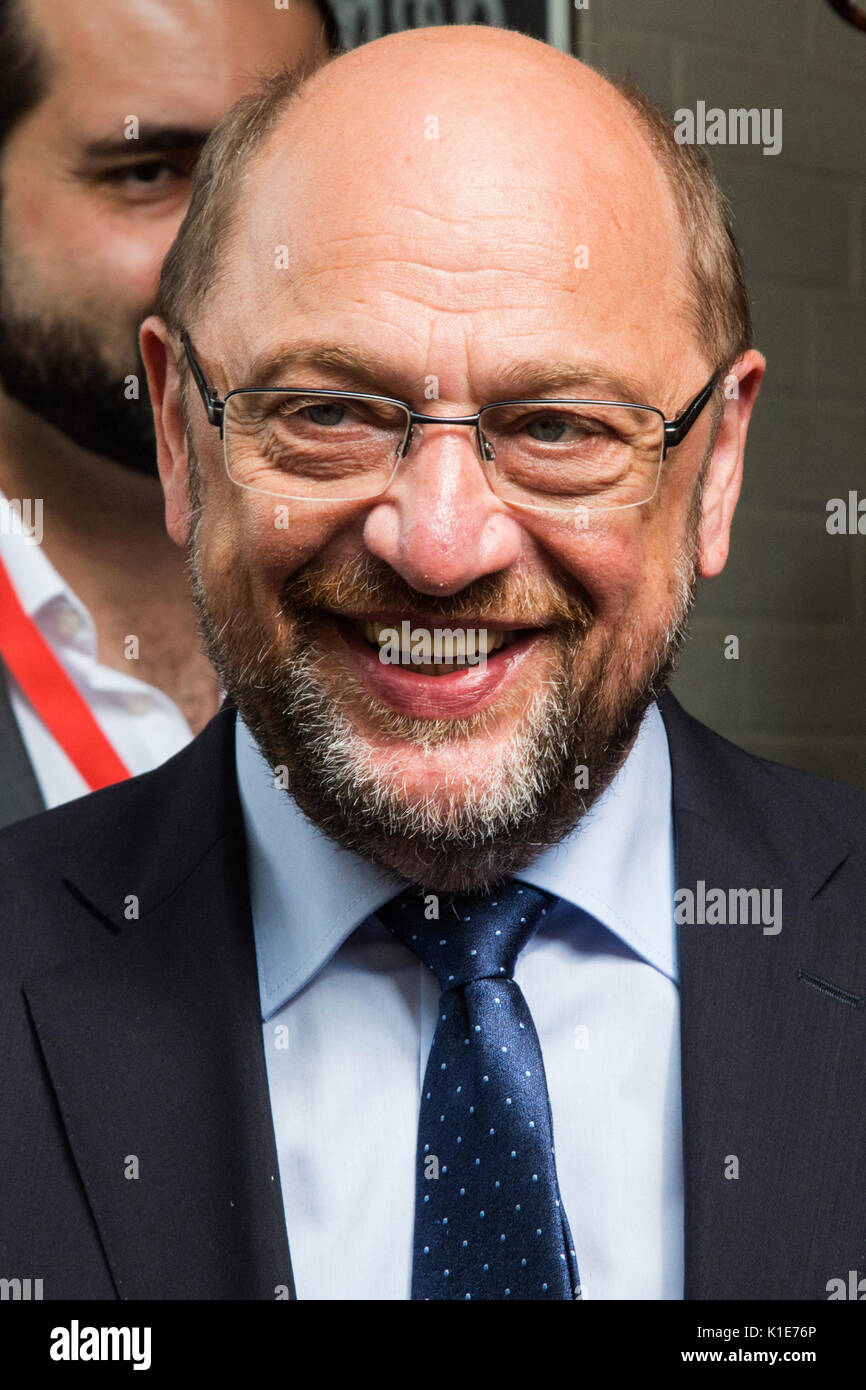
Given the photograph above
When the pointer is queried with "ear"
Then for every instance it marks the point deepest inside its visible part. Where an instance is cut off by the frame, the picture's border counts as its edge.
(172, 455)
(725, 469)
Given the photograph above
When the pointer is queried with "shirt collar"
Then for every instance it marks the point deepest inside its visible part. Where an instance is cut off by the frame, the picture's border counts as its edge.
(618, 865)
(308, 894)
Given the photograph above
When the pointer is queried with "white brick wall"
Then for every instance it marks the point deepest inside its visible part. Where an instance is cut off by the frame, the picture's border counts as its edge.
(795, 596)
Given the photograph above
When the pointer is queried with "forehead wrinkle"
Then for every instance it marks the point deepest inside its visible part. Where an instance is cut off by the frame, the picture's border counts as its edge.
(535, 250)
(524, 377)
(456, 296)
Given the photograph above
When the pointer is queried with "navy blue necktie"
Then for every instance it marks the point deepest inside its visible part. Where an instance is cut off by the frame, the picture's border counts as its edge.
(489, 1222)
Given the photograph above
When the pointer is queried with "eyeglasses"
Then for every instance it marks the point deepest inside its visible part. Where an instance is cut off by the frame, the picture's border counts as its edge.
(345, 446)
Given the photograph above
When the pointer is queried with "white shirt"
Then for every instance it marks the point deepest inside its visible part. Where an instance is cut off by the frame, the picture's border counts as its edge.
(142, 723)
(349, 1014)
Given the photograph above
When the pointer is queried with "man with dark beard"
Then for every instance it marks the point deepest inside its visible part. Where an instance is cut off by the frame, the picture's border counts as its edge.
(103, 111)
(332, 978)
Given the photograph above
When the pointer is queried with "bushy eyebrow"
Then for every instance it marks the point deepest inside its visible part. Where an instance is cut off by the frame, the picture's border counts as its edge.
(357, 366)
(152, 139)
(590, 380)
(360, 369)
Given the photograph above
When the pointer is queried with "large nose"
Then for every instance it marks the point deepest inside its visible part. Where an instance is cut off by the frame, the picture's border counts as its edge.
(440, 525)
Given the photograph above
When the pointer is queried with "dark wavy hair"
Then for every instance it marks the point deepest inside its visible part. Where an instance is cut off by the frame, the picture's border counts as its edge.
(24, 68)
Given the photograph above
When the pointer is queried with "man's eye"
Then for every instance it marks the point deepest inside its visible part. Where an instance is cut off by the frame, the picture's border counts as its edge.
(326, 413)
(547, 429)
(556, 427)
(148, 179)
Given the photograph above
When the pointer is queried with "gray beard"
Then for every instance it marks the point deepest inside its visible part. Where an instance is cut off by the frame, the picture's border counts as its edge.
(533, 792)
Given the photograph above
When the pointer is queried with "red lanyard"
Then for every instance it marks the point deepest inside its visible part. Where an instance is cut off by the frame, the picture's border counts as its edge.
(54, 697)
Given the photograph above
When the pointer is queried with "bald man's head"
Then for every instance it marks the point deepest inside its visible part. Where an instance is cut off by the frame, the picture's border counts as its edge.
(555, 132)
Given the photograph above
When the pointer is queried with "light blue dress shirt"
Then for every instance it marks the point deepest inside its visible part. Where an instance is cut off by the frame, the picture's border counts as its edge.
(349, 1013)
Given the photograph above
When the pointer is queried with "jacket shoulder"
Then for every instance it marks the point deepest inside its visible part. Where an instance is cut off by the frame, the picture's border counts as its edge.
(709, 769)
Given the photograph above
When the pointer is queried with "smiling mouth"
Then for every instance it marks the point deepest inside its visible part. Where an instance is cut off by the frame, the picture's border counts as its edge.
(439, 650)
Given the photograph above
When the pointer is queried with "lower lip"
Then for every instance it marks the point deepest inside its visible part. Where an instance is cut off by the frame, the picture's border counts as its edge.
(458, 695)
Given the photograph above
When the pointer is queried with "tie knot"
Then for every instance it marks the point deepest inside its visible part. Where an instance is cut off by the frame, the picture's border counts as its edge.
(467, 936)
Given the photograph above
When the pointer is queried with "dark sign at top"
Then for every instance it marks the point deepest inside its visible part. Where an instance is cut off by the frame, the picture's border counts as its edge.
(363, 20)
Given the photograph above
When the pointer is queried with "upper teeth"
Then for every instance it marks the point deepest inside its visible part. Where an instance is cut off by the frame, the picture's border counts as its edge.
(454, 642)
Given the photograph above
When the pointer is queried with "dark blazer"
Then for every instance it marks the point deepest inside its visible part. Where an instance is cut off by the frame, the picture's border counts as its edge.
(19, 791)
(125, 1039)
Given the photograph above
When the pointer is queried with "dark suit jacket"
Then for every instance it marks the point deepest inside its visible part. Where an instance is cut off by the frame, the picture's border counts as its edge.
(19, 791)
(127, 1040)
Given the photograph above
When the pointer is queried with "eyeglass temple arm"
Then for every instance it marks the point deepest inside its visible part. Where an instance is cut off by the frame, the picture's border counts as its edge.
(676, 430)
(214, 406)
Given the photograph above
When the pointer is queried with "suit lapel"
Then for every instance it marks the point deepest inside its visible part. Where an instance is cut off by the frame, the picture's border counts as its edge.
(769, 1064)
(154, 1047)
